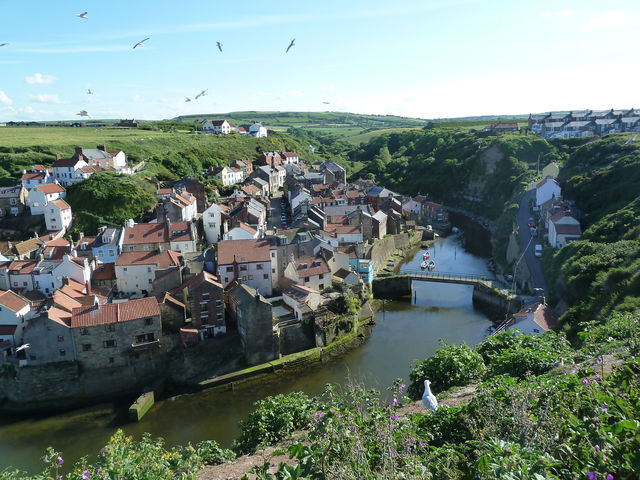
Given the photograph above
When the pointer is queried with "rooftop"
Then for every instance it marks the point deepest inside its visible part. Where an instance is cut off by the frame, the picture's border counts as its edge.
(114, 312)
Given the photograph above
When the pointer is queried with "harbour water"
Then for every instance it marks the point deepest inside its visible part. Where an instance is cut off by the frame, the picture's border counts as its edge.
(405, 331)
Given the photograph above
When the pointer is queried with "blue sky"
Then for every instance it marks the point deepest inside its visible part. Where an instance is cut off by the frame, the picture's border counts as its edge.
(427, 58)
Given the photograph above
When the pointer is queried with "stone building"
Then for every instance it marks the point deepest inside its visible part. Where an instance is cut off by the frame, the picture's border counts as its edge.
(204, 296)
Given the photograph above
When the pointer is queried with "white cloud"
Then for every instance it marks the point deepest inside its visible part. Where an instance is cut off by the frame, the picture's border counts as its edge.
(4, 99)
(47, 98)
(612, 18)
(40, 79)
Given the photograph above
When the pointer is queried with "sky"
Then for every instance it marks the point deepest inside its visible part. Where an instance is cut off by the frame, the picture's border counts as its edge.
(418, 58)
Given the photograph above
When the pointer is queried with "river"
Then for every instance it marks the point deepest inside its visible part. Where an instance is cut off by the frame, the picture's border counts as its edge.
(405, 331)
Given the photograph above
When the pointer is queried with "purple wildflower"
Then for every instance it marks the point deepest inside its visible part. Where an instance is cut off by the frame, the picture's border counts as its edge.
(598, 378)
(394, 402)
(585, 381)
(403, 386)
(395, 418)
(319, 415)
(422, 444)
(591, 475)
(60, 460)
(86, 475)
(610, 476)
(603, 407)
(599, 358)
(604, 457)
(339, 415)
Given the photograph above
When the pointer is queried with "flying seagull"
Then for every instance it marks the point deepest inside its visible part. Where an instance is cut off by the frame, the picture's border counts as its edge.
(326, 103)
(429, 400)
(89, 91)
(3, 44)
(312, 149)
(293, 42)
(631, 140)
(141, 42)
(187, 99)
(83, 113)
(219, 45)
(83, 15)
(23, 347)
(201, 94)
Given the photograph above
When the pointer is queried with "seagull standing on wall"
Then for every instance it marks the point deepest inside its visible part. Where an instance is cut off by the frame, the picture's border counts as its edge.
(83, 15)
(429, 400)
(141, 42)
(293, 42)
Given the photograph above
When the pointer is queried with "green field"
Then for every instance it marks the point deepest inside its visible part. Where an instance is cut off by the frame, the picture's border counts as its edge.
(20, 137)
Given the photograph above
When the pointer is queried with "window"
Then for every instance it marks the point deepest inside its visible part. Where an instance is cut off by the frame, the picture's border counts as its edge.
(110, 327)
(243, 268)
(111, 360)
(111, 252)
(150, 280)
(13, 201)
(204, 307)
(124, 269)
(266, 276)
(86, 347)
(148, 269)
(84, 331)
(205, 295)
(63, 353)
(259, 267)
(321, 286)
(535, 330)
(321, 276)
(306, 279)
(229, 269)
(218, 303)
(219, 316)
(109, 343)
(60, 338)
(273, 254)
(15, 284)
(250, 277)
(148, 321)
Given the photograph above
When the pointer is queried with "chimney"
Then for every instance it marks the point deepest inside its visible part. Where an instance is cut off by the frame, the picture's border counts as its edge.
(78, 150)
(58, 157)
(102, 148)
(87, 286)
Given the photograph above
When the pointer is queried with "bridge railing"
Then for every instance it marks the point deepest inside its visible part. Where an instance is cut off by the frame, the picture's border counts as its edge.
(438, 275)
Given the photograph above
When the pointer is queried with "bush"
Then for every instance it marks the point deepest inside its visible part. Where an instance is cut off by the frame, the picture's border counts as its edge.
(450, 366)
(273, 419)
(211, 453)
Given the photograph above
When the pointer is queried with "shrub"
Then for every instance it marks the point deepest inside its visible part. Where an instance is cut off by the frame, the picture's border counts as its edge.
(211, 453)
(450, 366)
(273, 419)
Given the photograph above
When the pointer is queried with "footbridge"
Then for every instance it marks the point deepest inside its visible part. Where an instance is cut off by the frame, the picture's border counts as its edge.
(399, 285)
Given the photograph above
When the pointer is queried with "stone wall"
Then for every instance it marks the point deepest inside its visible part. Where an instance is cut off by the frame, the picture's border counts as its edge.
(390, 288)
(494, 303)
(296, 338)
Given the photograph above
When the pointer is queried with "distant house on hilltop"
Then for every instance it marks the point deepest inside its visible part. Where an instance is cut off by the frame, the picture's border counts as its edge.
(217, 127)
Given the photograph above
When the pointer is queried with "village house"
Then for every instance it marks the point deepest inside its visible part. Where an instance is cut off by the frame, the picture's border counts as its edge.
(257, 130)
(100, 157)
(37, 176)
(14, 310)
(217, 127)
(12, 200)
(534, 319)
(227, 175)
(145, 237)
(58, 216)
(204, 295)
(312, 272)
(245, 165)
(253, 315)
(148, 273)
(563, 229)
(178, 207)
(196, 188)
(47, 275)
(546, 189)
(40, 196)
(242, 232)
(302, 300)
(270, 158)
(379, 224)
(182, 237)
(333, 172)
(108, 244)
(67, 171)
(249, 261)
(214, 221)
(104, 276)
(290, 158)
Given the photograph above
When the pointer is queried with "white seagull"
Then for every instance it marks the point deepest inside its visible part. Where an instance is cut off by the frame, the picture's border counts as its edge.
(219, 45)
(626, 143)
(84, 15)
(201, 94)
(83, 113)
(429, 400)
(312, 149)
(141, 42)
(293, 42)
(23, 347)
(187, 99)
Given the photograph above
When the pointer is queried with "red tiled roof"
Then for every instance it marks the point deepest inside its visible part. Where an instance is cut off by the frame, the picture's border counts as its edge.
(243, 251)
(49, 188)
(65, 302)
(61, 204)
(12, 300)
(61, 242)
(164, 259)
(22, 267)
(104, 271)
(164, 191)
(289, 154)
(568, 229)
(310, 270)
(34, 176)
(545, 317)
(247, 228)
(114, 312)
(250, 189)
(347, 229)
(142, 233)
(174, 232)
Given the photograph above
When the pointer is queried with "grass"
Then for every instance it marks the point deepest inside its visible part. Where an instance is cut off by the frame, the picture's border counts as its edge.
(359, 138)
(65, 136)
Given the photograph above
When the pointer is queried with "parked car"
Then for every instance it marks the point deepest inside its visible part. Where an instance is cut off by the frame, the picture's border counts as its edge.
(534, 231)
(537, 250)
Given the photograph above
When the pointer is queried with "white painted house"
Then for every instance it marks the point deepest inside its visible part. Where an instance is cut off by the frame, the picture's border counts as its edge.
(301, 299)
(257, 130)
(57, 215)
(40, 196)
(214, 220)
(37, 176)
(310, 272)
(242, 232)
(249, 261)
(217, 127)
(563, 229)
(14, 310)
(534, 319)
(67, 171)
(547, 189)
(229, 175)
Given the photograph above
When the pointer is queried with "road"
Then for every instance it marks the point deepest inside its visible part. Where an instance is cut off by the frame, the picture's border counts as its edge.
(526, 241)
(276, 212)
